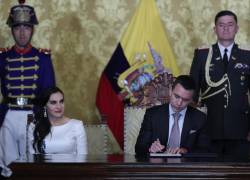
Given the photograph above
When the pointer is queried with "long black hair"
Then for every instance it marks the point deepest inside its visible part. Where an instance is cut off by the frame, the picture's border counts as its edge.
(42, 123)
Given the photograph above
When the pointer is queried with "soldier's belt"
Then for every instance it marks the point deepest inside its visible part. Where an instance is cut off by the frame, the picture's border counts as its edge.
(19, 101)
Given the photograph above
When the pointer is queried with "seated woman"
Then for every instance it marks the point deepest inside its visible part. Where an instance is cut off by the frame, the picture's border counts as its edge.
(52, 132)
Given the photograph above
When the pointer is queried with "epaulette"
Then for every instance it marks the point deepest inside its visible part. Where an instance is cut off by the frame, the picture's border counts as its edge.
(45, 51)
(2, 50)
(204, 47)
(244, 47)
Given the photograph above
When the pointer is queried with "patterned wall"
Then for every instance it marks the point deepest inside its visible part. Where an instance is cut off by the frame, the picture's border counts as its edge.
(83, 34)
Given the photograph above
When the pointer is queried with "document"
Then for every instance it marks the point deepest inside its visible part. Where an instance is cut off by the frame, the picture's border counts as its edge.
(164, 155)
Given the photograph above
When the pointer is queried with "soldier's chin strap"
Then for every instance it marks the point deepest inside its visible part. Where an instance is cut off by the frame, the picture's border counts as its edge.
(211, 84)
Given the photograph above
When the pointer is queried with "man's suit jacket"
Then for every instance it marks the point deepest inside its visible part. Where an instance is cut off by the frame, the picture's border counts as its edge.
(226, 101)
(155, 126)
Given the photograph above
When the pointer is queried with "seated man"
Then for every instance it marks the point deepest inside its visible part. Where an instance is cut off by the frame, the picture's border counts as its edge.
(175, 127)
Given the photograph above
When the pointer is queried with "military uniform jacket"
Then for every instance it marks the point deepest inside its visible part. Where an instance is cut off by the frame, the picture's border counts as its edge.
(24, 75)
(224, 92)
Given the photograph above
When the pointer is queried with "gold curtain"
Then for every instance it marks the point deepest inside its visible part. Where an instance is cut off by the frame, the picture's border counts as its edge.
(83, 34)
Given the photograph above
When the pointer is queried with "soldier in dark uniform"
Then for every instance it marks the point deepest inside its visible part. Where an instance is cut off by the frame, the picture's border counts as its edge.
(24, 71)
(221, 72)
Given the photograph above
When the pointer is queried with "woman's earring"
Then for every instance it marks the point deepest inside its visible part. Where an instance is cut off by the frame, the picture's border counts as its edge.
(45, 112)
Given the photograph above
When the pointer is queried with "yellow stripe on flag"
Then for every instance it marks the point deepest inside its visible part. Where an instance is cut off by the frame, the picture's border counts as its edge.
(146, 26)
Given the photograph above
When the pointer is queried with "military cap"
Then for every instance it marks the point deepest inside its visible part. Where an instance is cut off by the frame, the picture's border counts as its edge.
(22, 14)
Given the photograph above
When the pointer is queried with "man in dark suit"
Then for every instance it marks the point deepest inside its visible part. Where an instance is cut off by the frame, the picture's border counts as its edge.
(158, 124)
(221, 73)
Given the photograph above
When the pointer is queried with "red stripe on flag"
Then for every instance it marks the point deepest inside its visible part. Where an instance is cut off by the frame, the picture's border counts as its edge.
(111, 107)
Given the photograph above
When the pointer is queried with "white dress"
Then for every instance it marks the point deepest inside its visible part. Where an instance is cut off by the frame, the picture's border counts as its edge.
(69, 138)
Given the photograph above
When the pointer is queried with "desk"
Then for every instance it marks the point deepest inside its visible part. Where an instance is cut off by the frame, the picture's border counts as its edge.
(128, 167)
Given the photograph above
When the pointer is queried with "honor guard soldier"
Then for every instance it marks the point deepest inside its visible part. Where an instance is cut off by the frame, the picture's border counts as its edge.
(24, 71)
(221, 72)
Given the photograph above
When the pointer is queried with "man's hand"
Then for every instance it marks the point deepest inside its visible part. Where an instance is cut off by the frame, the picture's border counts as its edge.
(176, 150)
(156, 147)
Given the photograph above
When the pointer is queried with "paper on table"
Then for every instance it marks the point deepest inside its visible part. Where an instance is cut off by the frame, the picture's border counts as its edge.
(164, 155)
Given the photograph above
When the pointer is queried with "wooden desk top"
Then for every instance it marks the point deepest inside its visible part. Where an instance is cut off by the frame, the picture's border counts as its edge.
(129, 167)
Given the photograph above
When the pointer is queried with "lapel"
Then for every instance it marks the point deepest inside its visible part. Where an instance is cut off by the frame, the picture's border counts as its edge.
(163, 125)
(217, 58)
(186, 126)
(216, 70)
(234, 57)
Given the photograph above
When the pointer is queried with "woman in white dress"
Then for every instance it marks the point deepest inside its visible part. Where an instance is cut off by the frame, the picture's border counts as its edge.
(52, 132)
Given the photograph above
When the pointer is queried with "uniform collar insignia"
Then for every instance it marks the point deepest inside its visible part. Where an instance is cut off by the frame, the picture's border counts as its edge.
(218, 58)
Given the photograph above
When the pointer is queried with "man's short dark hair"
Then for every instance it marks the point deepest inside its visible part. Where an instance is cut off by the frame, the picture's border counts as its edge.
(185, 81)
(225, 13)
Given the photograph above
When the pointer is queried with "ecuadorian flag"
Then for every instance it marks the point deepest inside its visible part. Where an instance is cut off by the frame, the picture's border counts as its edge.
(145, 27)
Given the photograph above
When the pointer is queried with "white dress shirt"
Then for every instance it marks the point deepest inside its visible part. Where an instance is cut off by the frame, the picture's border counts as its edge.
(222, 50)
